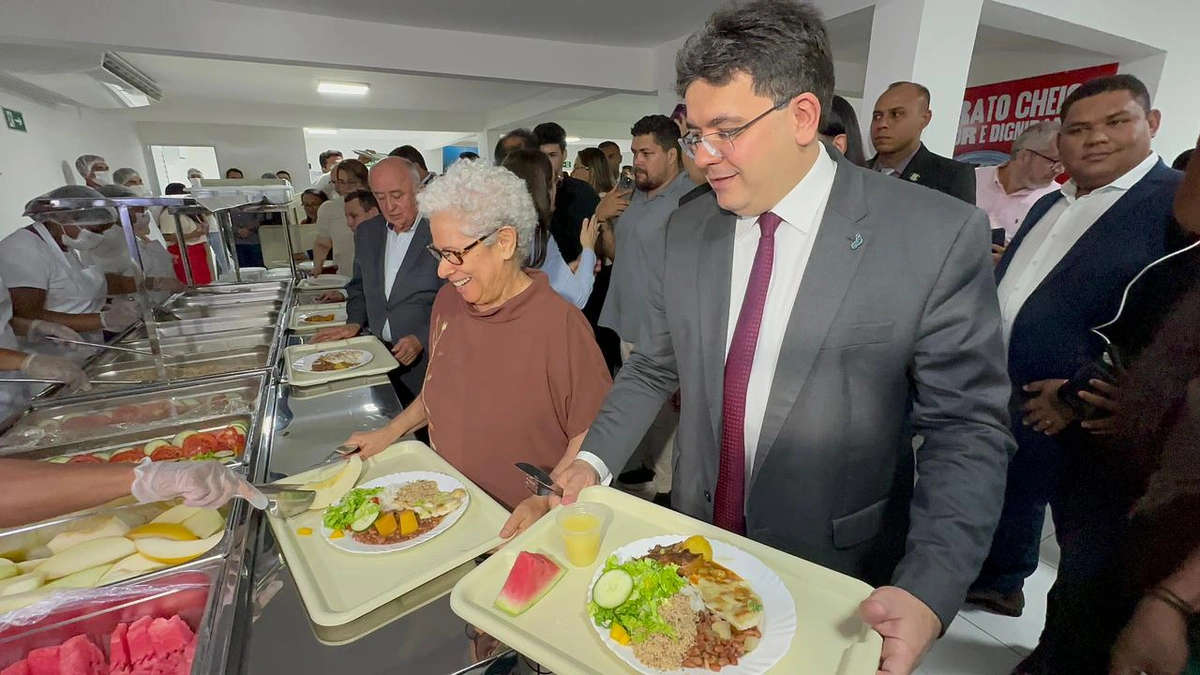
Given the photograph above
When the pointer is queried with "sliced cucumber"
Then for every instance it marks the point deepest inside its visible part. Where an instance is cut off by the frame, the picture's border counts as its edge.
(61, 459)
(183, 436)
(240, 427)
(224, 454)
(612, 589)
(154, 445)
(366, 518)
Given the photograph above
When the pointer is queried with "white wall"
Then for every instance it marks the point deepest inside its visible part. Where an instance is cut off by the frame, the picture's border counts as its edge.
(32, 163)
(254, 150)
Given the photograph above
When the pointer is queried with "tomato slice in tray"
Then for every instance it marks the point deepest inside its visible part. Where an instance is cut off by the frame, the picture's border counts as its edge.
(231, 439)
(84, 459)
(200, 444)
(127, 414)
(166, 453)
(132, 455)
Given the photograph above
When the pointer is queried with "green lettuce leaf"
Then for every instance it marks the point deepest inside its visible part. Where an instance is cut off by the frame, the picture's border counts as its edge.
(653, 585)
(340, 515)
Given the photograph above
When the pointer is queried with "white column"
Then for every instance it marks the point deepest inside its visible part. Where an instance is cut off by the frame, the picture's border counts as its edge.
(929, 42)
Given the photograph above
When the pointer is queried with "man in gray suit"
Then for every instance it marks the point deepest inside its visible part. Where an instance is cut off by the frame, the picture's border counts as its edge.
(395, 279)
(816, 316)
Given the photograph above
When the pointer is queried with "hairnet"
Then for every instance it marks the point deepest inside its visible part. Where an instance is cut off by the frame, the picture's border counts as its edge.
(269, 176)
(85, 163)
(122, 176)
(116, 191)
(80, 217)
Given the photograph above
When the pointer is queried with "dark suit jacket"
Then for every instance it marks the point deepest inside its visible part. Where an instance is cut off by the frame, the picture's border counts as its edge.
(895, 330)
(411, 300)
(940, 173)
(575, 201)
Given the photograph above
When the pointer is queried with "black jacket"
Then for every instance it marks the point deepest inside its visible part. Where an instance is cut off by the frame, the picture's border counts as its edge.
(940, 173)
(575, 201)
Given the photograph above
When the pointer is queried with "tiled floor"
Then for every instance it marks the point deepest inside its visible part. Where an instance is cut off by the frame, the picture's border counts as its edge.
(979, 643)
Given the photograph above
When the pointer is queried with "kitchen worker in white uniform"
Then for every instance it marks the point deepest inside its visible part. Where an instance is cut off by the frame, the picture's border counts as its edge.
(16, 363)
(131, 179)
(46, 279)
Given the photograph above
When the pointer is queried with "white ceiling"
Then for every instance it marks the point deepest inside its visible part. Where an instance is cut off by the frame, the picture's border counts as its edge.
(630, 23)
(267, 83)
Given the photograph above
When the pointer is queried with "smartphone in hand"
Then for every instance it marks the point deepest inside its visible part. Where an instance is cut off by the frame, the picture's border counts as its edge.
(998, 236)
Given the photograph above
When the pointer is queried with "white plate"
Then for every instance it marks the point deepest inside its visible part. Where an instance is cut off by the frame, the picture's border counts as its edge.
(325, 282)
(445, 484)
(307, 265)
(778, 624)
(304, 364)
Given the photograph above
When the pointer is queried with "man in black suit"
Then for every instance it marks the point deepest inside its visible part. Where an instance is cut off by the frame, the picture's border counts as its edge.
(575, 199)
(901, 114)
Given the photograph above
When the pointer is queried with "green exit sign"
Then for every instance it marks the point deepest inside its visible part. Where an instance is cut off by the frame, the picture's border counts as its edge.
(14, 120)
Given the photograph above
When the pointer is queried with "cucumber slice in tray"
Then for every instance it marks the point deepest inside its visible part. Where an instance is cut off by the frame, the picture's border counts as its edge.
(612, 589)
(365, 517)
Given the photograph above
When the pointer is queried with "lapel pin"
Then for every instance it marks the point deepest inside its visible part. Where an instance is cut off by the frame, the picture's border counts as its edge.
(915, 177)
(857, 243)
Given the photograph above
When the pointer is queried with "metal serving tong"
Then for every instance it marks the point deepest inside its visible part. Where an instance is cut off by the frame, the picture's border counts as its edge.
(98, 345)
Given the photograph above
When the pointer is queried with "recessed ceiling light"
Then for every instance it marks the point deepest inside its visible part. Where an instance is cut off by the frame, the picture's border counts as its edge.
(573, 139)
(320, 132)
(348, 88)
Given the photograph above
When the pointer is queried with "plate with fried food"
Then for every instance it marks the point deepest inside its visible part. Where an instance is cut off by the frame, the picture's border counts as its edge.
(333, 361)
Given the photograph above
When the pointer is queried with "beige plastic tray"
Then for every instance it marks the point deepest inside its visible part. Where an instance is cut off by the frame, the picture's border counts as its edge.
(337, 309)
(830, 638)
(338, 587)
(382, 363)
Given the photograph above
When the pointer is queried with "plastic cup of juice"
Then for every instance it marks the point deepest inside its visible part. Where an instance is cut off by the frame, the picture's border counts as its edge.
(582, 527)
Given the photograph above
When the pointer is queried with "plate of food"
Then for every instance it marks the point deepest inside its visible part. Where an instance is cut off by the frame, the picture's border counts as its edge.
(321, 317)
(333, 361)
(325, 282)
(395, 512)
(677, 604)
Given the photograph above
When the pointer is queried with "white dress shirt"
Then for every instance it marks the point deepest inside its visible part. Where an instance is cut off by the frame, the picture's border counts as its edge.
(1052, 237)
(802, 210)
(397, 247)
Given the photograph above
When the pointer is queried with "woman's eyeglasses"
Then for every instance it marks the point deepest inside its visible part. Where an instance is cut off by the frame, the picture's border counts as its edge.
(456, 257)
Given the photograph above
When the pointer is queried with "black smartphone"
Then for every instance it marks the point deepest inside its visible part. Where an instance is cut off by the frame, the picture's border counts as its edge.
(1081, 381)
(998, 238)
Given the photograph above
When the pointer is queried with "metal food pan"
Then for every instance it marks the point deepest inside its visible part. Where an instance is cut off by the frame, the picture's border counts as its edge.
(310, 297)
(192, 594)
(206, 326)
(140, 370)
(228, 289)
(213, 342)
(142, 437)
(29, 541)
(185, 301)
(272, 308)
(42, 425)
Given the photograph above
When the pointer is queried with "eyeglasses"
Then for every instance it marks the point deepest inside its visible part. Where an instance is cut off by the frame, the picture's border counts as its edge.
(1053, 161)
(720, 143)
(456, 257)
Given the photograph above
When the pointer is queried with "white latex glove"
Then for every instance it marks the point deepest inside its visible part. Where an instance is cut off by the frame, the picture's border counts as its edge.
(54, 368)
(40, 330)
(207, 485)
(118, 316)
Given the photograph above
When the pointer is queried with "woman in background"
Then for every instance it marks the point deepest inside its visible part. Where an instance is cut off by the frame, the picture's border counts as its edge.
(312, 199)
(195, 229)
(591, 167)
(841, 130)
(573, 282)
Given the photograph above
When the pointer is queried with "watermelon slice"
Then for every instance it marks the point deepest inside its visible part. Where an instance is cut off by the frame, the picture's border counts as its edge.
(531, 577)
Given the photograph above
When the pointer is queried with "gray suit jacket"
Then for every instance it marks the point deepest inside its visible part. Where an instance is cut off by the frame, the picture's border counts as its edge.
(895, 336)
(411, 301)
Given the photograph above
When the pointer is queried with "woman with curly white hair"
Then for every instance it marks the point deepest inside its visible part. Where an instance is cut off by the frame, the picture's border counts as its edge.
(514, 371)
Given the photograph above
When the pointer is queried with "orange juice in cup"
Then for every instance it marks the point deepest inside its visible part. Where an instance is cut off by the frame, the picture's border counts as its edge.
(582, 527)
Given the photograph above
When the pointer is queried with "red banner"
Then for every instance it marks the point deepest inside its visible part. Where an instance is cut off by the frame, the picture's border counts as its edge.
(995, 114)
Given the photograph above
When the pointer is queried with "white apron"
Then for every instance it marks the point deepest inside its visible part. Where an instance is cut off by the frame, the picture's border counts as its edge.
(74, 289)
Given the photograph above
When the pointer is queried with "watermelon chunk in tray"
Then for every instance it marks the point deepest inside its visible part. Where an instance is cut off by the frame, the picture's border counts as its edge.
(148, 646)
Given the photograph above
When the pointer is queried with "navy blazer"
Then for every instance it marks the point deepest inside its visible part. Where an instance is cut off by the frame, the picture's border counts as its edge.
(1051, 337)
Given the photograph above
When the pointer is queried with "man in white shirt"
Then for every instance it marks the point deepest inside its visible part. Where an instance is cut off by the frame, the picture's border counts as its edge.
(1065, 273)
(1007, 192)
(395, 280)
(328, 160)
(815, 315)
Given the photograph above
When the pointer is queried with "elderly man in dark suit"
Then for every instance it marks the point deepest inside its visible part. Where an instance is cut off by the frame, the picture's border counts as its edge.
(815, 315)
(901, 115)
(395, 279)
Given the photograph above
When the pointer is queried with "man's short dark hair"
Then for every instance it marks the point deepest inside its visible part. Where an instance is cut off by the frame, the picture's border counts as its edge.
(1103, 85)
(550, 133)
(233, 169)
(664, 131)
(781, 44)
(922, 90)
(607, 144)
(411, 154)
(323, 158)
(526, 141)
(364, 197)
(469, 156)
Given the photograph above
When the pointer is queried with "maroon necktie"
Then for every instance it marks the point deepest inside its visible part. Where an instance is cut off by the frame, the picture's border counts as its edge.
(729, 510)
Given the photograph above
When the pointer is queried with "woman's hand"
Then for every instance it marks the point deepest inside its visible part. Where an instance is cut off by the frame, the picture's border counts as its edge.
(1154, 642)
(371, 443)
(1106, 400)
(527, 513)
(1045, 413)
(589, 232)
